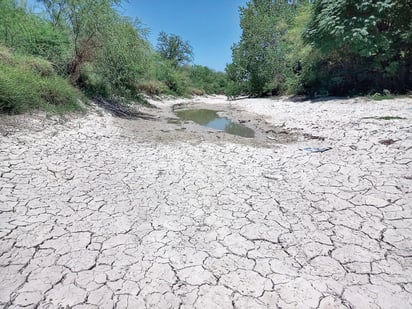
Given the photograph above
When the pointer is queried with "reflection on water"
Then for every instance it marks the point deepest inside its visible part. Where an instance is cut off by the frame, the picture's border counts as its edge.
(210, 119)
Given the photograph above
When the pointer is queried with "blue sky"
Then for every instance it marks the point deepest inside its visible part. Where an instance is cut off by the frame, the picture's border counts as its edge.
(210, 26)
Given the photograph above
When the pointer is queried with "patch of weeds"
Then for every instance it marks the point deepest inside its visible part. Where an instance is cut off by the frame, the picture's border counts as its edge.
(62, 109)
(385, 118)
(384, 95)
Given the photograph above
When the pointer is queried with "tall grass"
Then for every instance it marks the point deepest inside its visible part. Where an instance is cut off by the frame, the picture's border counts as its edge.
(28, 82)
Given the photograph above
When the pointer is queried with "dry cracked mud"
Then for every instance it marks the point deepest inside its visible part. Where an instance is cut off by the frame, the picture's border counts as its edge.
(100, 212)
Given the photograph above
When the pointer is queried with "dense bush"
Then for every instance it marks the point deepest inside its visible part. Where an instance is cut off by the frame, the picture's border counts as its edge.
(328, 47)
(176, 80)
(121, 62)
(206, 80)
(259, 58)
(152, 87)
(29, 83)
(364, 46)
(30, 34)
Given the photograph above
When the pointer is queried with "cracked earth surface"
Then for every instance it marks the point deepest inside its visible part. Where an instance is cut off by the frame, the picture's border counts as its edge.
(91, 216)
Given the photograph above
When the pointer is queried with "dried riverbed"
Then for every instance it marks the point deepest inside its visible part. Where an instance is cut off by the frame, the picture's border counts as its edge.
(102, 212)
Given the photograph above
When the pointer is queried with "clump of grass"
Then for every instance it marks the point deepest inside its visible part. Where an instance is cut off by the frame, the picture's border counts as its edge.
(58, 95)
(38, 66)
(5, 54)
(28, 83)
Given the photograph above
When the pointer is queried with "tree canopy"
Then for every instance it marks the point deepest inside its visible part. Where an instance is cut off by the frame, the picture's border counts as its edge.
(368, 44)
(173, 48)
(257, 59)
(323, 47)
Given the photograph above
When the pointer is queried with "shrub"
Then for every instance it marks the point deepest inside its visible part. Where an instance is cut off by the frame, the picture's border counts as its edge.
(151, 87)
(175, 79)
(38, 66)
(234, 89)
(57, 91)
(30, 34)
(364, 46)
(211, 82)
(27, 83)
(18, 89)
(197, 91)
(5, 54)
(93, 83)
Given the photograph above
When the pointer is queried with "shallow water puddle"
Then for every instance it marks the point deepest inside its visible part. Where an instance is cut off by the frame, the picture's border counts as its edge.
(209, 118)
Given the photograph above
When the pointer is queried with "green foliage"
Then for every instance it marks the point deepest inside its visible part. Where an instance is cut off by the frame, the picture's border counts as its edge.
(258, 59)
(152, 87)
(343, 47)
(126, 57)
(30, 34)
(56, 91)
(237, 75)
(24, 86)
(364, 45)
(234, 89)
(111, 55)
(34, 64)
(299, 56)
(172, 47)
(93, 83)
(18, 89)
(189, 80)
(366, 28)
(176, 80)
(206, 80)
(88, 23)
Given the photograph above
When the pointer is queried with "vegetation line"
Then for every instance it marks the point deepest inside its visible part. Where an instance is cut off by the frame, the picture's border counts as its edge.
(72, 48)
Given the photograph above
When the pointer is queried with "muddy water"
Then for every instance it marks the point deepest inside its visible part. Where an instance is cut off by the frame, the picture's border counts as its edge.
(210, 119)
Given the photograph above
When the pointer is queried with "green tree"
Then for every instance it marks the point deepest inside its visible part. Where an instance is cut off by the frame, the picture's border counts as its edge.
(173, 48)
(206, 79)
(363, 45)
(259, 58)
(30, 34)
(299, 56)
(88, 23)
(126, 56)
